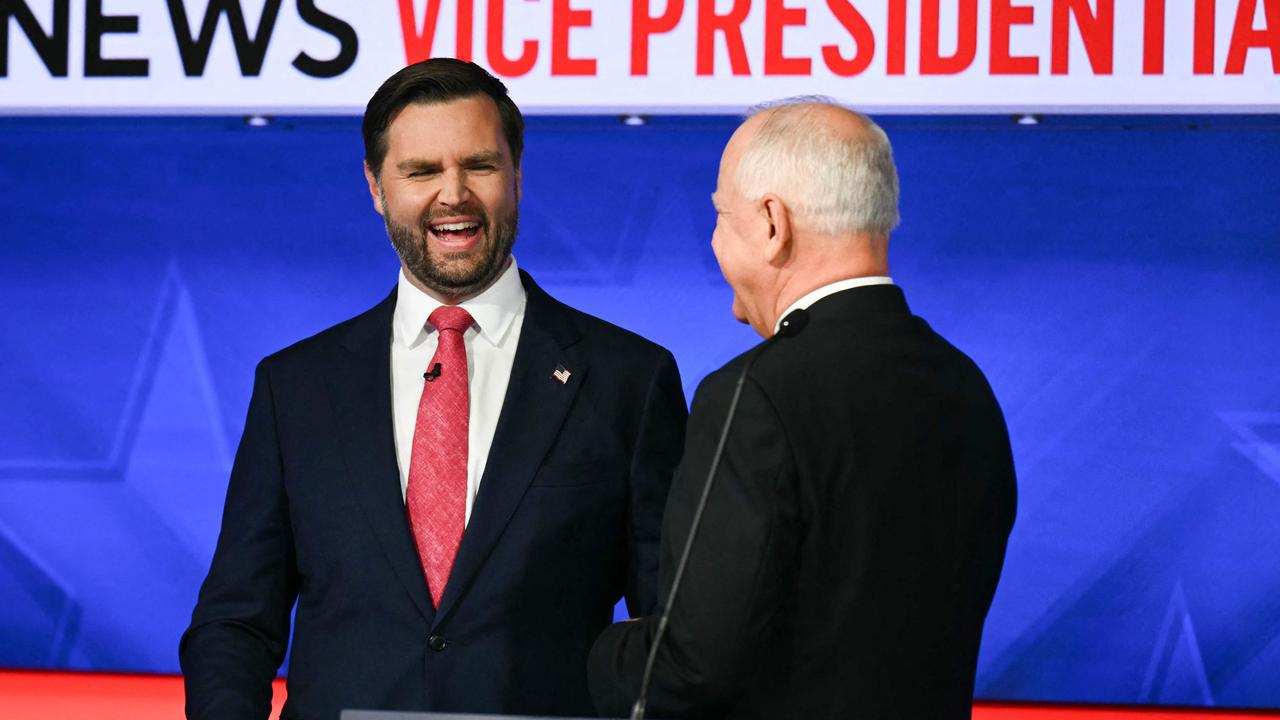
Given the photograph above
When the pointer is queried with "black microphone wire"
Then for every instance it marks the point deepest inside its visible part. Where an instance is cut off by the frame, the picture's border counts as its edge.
(791, 325)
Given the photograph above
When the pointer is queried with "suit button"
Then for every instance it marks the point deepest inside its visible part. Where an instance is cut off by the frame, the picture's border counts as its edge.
(437, 642)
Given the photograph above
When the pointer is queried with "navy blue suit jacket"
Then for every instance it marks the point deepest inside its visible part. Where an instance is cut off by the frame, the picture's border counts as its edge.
(565, 522)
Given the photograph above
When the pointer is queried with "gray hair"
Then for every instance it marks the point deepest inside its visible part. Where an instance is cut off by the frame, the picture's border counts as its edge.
(834, 182)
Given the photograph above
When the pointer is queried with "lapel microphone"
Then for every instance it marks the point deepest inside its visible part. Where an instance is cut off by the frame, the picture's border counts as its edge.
(433, 373)
(790, 326)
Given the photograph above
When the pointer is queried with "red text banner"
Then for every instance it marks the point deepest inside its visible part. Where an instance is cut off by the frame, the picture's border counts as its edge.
(646, 56)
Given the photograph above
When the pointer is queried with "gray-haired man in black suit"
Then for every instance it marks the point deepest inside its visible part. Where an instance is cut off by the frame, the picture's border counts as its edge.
(857, 525)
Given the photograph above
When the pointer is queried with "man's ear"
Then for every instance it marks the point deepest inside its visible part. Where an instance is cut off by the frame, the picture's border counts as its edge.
(373, 189)
(780, 241)
(519, 184)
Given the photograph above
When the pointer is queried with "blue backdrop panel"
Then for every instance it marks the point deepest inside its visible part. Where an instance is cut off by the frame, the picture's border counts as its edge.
(1117, 278)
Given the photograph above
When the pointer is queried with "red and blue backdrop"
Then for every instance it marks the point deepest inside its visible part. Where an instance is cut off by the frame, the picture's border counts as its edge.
(1116, 275)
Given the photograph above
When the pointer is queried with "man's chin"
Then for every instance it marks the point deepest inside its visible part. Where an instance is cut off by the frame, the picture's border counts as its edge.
(455, 269)
(459, 278)
(450, 283)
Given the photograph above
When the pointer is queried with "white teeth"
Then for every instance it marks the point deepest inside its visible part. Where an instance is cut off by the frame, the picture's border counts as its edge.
(454, 227)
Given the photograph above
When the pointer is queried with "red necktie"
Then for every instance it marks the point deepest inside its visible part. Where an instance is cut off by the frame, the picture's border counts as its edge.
(437, 495)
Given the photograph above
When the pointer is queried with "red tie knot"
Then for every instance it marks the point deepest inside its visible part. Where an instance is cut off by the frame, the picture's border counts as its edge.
(450, 317)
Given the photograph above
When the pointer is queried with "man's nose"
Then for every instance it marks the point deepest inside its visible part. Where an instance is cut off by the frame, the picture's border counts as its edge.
(453, 188)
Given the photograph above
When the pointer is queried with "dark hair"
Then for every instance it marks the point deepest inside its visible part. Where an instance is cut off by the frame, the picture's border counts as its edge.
(435, 81)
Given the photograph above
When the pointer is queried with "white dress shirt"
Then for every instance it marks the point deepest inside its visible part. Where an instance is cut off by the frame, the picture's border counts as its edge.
(491, 350)
(812, 297)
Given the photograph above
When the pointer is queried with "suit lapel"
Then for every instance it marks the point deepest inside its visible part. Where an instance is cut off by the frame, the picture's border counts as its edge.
(533, 410)
(361, 392)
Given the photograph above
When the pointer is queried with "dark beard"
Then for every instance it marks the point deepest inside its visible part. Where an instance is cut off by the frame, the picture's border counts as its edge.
(448, 278)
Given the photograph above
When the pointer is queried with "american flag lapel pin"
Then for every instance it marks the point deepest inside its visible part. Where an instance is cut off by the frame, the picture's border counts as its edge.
(561, 374)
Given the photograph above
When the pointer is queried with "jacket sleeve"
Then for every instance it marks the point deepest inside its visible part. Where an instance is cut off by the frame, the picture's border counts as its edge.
(240, 627)
(738, 570)
(657, 451)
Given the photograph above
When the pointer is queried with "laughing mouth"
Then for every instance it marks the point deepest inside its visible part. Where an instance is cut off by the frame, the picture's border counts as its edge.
(464, 230)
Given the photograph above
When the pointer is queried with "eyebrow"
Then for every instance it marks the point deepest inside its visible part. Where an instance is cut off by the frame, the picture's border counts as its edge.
(418, 165)
(485, 156)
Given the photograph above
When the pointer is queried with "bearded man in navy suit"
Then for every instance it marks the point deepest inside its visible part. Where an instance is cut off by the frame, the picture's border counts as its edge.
(456, 486)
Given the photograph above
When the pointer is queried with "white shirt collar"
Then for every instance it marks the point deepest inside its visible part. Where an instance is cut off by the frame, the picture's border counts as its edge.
(812, 297)
(494, 310)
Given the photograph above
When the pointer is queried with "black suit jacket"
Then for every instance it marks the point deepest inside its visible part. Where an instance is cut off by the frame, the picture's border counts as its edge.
(853, 537)
(565, 522)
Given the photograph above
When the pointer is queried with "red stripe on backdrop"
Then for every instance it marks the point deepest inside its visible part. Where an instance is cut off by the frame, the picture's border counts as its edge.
(102, 696)
(1073, 711)
(110, 696)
